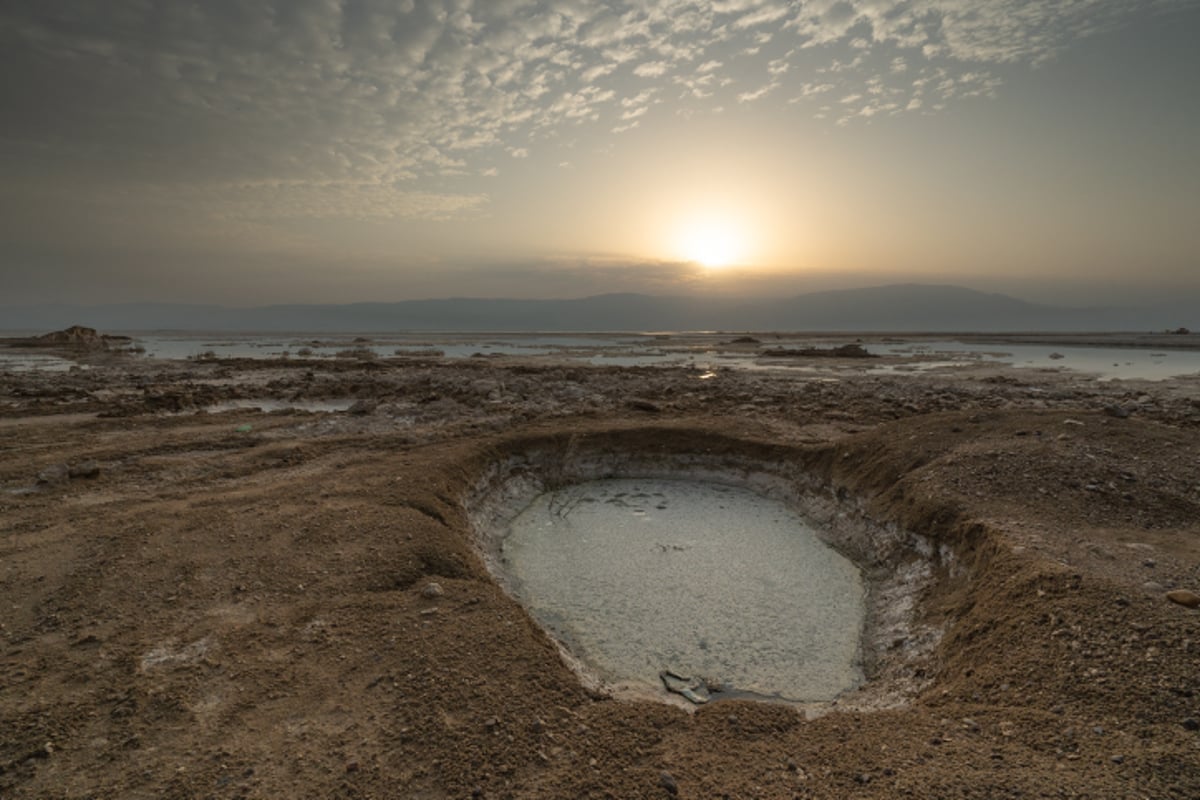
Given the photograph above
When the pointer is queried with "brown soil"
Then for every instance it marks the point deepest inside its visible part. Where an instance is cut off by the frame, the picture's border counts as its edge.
(232, 605)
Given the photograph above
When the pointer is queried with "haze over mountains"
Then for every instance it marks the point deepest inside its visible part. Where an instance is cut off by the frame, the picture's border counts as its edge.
(904, 307)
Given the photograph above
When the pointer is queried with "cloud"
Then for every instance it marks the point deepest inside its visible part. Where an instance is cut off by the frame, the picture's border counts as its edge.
(641, 98)
(757, 94)
(423, 96)
(651, 69)
(771, 12)
(599, 71)
(573, 276)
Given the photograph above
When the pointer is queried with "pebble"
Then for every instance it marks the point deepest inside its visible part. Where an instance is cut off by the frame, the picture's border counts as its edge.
(54, 475)
(84, 469)
(667, 782)
(1184, 597)
(432, 590)
(1191, 724)
(1116, 411)
(644, 405)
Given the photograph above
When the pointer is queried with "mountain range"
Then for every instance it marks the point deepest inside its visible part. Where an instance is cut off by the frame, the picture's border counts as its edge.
(899, 308)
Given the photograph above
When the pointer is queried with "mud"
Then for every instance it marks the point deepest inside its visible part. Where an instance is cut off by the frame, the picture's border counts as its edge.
(237, 604)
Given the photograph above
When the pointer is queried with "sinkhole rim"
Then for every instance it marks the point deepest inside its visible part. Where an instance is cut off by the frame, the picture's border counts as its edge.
(897, 566)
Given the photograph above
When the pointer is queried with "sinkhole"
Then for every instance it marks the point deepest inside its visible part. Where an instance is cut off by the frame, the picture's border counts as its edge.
(707, 577)
(699, 580)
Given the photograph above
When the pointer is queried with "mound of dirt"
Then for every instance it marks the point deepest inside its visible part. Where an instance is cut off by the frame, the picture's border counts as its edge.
(74, 338)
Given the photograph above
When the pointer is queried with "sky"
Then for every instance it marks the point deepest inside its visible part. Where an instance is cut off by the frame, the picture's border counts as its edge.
(280, 151)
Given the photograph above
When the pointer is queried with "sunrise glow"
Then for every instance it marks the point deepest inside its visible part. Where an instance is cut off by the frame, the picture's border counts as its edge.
(713, 243)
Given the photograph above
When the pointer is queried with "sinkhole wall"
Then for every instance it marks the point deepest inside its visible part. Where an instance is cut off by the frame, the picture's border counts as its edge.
(898, 566)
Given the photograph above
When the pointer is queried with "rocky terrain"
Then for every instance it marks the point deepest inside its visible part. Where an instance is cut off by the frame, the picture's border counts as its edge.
(246, 603)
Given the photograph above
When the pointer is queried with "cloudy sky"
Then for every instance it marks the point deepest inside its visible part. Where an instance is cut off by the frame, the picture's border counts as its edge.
(258, 151)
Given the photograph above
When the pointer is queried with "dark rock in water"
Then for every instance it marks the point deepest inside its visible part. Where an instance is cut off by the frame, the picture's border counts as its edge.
(1116, 411)
(744, 340)
(54, 475)
(843, 351)
(361, 407)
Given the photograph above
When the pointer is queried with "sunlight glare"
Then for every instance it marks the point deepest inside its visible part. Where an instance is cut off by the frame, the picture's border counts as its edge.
(712, 243)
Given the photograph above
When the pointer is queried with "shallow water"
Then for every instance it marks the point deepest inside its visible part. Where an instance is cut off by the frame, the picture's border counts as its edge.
(1107, 363)
(451, 346)
(632, 350)
(638, 576)
(35, 362)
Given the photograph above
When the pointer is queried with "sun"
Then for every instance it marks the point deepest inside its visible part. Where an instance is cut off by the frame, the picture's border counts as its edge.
(712, 243)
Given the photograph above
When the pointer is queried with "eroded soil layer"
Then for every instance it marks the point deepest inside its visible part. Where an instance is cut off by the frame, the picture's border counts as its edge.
(240, 604)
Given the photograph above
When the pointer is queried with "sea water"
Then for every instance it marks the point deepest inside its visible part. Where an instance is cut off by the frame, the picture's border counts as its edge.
(639, 576)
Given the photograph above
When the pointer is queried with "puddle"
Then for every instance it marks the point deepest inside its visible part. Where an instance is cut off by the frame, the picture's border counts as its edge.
(638, 576)
(731, 568)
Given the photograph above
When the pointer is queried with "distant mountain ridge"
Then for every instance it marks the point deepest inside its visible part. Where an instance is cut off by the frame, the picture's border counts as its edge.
(899, 308)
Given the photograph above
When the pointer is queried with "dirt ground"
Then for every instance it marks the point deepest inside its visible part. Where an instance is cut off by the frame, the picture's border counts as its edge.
(237, 604)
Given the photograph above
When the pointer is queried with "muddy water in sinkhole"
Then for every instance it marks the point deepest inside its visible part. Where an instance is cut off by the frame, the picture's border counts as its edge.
(638, 576)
